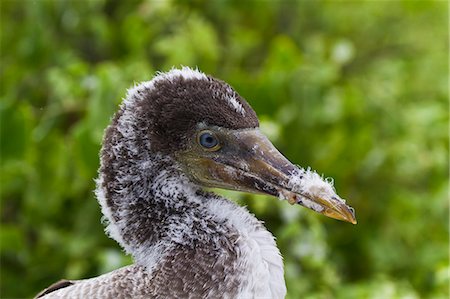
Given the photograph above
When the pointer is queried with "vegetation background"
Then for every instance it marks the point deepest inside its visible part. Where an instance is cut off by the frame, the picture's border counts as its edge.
(356, 90)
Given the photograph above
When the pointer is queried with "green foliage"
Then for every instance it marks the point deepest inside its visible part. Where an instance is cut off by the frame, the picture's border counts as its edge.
(356, 90)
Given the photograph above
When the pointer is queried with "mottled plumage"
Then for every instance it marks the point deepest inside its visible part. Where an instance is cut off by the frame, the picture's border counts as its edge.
(185, 242)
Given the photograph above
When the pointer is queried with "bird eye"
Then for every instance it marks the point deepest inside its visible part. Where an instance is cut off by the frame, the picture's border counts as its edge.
(208, 140)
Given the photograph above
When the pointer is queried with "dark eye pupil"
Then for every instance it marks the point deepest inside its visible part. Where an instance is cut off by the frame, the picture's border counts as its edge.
(207, 140)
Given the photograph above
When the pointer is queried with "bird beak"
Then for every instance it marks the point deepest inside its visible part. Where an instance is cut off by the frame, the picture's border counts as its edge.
(247, 161)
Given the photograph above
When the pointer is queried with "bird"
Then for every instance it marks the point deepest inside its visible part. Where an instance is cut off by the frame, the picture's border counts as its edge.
(172, 139)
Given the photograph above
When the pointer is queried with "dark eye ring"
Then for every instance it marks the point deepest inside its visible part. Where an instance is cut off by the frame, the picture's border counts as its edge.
(208, 140)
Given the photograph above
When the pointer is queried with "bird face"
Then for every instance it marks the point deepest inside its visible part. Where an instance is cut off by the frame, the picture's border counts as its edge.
(245, 160)
(213, 134)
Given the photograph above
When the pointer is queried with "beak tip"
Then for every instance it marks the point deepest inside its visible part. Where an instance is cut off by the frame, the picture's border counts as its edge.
(352, 219)
(349, 215)
(341, 212)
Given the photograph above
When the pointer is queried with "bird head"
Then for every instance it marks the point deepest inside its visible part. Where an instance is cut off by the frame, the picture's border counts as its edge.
(213, 135)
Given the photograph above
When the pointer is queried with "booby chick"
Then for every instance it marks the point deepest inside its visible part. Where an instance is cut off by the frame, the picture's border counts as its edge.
(173, 136)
